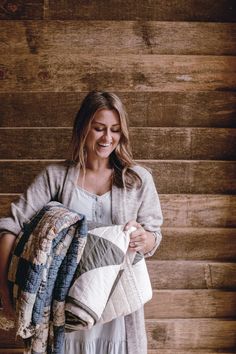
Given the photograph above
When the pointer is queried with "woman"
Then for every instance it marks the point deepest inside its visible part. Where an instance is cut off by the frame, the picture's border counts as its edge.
(103, 182)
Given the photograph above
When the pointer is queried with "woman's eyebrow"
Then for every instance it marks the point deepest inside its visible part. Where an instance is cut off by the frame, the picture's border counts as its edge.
(96, 122)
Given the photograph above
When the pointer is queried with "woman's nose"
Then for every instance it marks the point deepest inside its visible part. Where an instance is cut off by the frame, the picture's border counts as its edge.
(108, 135)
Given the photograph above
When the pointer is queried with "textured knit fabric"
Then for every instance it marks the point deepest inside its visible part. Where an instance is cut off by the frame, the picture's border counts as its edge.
(59, 182)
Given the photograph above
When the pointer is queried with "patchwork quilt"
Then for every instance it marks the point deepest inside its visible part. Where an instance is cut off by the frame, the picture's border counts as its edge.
(64, 277)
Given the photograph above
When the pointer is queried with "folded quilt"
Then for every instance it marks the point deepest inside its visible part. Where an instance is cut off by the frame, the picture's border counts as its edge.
(109, 282)
(64, 277)
(46, 255)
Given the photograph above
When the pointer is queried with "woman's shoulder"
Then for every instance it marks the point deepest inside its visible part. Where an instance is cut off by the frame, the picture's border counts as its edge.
(143, 172)
(58, 169)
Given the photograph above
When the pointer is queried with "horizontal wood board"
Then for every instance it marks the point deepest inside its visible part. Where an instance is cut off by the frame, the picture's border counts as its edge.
(126, 37)
(191, 274)
(147, 143)
(170, 176)
(180, 210)
(70, 72)
(149, 109)
(220, 11)
(191, 304)
(185, 334)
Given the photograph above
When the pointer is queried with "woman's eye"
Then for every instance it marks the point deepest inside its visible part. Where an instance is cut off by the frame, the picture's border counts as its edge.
(99, 129)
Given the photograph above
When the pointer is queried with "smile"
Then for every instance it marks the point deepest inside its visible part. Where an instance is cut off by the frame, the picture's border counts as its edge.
(104, 145)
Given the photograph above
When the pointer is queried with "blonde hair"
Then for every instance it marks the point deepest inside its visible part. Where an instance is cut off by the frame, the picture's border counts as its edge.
(121, 158)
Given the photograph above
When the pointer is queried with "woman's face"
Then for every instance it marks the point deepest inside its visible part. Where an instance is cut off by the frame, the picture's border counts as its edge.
(104, 134)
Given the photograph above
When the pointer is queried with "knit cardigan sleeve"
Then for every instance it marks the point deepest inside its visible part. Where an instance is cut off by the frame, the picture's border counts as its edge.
(150, 213)
(43, 189)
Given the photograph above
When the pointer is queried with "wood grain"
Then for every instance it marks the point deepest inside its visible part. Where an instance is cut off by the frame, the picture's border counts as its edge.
(121, 37)
(163, 109)
(180, 210)
(187, 351)
(147, 143)
(220, 11)
(175, 333)
(65, 72)
(191, 333)
(191, 304)
(209, 177)
(21, 10)
(197, 244)
(198, 210)
(180, 274)
(150, 351)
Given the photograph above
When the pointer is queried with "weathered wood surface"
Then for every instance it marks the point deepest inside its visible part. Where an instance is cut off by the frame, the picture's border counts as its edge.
(126, 37)
(163, 109)
(187, 351)
(147, 143)
(150, 351)
(198, 210)
(192, 274)
(65, 72)
(191, 304)
(21, 10)
(175, 333)
(191, 333)
(180, 210)
(209, 177)
(168, 10)
(197, 244)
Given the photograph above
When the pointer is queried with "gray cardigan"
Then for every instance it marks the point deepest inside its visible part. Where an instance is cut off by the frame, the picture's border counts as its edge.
(58, 182)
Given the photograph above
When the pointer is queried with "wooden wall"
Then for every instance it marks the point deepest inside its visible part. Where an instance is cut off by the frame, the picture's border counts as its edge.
(174, 65)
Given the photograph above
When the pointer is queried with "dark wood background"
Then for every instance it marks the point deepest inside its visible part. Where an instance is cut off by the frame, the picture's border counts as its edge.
(174, 65)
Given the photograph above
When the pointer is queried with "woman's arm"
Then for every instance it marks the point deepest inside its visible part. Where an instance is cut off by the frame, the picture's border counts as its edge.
(41, 191)
(148, 235)
(7, 241)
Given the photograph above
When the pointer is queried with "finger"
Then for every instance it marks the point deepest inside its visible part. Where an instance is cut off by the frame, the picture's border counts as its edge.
(129, 224)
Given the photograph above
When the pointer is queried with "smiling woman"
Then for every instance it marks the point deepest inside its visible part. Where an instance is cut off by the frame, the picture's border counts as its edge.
(103, 182)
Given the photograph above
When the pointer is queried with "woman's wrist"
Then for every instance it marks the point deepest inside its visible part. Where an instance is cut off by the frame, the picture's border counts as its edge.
(151, 242)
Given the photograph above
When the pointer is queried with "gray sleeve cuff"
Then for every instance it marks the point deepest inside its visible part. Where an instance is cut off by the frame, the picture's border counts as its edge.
(158, 238)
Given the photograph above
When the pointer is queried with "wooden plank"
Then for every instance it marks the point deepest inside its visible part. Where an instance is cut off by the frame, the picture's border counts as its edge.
(198, 210)
(121, 37)
(147, 143)
(199, 176)
(180, 210)
(222, 10)
(197, 244)
(163, 109)
(21, 10)
(184, 143)
(188, 351)
(191, 333)
(65, 72)
(191, 274)
(191, 304)
(151, 351)
(176, 334)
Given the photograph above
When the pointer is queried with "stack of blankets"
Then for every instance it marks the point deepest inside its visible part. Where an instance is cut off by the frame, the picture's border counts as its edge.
(66, 274)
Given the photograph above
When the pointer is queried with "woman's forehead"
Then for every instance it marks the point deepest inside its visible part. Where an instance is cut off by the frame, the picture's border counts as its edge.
(106, 116)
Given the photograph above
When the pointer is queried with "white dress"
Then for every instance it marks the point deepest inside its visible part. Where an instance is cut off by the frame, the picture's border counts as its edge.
(108, 338)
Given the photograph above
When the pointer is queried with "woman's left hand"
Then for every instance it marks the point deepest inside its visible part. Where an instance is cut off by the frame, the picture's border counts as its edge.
(140, 239)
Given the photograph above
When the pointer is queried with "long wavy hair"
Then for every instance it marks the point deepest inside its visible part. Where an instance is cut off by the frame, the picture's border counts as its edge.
(121, 158)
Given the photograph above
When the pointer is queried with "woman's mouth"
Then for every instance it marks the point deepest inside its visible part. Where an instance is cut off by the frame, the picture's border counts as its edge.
(104, 145)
